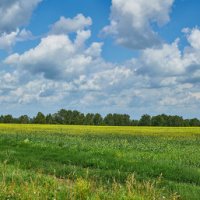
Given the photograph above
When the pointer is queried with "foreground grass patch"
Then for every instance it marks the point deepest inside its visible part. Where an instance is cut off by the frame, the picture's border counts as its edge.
(25, 185)
(58, 162)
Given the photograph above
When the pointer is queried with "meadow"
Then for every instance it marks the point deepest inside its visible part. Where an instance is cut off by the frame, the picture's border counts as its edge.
(94, 162)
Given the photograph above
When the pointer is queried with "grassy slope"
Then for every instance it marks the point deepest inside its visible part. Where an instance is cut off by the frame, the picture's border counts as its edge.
(60, 159)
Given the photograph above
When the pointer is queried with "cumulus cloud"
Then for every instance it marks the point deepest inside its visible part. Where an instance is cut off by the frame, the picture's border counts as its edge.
(60, 68)
(169, 62)
(164, 61)
(193, 37)
(56, 57)
(68, 25)
(131, 21)
(8, 40)
(15, 13)
(65, 69)
(72, 71)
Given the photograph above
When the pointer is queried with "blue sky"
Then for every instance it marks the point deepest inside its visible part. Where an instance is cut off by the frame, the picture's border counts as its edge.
(124, 56)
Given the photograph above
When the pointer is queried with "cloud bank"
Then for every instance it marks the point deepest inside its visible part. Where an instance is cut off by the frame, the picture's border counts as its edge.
(71, 71)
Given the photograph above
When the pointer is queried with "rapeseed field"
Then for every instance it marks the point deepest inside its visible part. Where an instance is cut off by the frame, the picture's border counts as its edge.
(88, 162)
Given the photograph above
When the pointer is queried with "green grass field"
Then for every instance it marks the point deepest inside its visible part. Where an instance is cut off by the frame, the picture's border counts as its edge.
(85, 162)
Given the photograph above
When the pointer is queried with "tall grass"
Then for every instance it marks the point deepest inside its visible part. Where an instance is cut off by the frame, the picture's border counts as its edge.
(25, 185)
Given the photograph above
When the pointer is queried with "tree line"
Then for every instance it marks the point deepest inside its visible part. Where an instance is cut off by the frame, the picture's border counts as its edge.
(69, 117)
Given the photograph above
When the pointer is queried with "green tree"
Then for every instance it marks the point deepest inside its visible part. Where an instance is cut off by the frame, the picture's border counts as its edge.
(134, 122)
(158, 120)
(98, 120)
(40, 118)
(145, 120)
(1, 119)
(89, 119)
(186, 122)
(8, 119)
(24, 119)
(50, 119)
(108, 120)
(126, 120)
(194, 122)
(75, 117)
(175, 121)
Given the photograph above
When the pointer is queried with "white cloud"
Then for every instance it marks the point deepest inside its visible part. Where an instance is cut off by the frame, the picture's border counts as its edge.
(131, 21)
(193, 37)
(15, 13)
(63, 69)
(68, 25)
(107, 80)
(81, 37)
(56, 57)
(169, 62)
(73, 73)
(95, 49)
(196, 95)
(164, 61)
(8, 40)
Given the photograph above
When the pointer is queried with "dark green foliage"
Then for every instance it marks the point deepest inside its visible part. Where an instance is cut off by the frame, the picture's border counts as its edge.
(134, 122)
(145, 120)
(194, 122)
(8, 119)
(89, 119)
(168, 120)
(40, 119)
(117, 120)
(98, 120)
(50, 119)
(159, 120)
(108, 120)
(74, 117)
(24, 119)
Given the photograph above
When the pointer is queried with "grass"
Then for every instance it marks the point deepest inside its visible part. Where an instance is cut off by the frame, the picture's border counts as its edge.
(87, 162)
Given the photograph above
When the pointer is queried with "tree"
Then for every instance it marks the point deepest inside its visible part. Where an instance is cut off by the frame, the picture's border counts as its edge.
(108, 120)
(134, 122)
(50, 119)
(75, 117)
(89, 119)
(175, 121)
(158, 120)
(145, 120)
(186, 122)
(97, 120)
(126, 120)
(40, 118)
(81, 119)
(194, 122)
(24, 119)
(1, 119)
(117, 120)
(63, 116)
(8, 119)
(69, 117)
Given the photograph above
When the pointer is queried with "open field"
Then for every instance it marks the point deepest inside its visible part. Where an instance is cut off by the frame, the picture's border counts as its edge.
(85, 162)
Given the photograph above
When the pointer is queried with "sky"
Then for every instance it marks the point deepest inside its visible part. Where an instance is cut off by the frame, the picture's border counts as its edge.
(111, 56)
